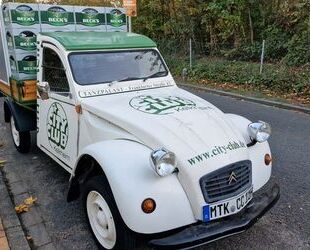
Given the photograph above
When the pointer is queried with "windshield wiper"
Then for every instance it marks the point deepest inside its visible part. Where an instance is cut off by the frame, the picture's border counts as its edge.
(159, 73)
(123, 80)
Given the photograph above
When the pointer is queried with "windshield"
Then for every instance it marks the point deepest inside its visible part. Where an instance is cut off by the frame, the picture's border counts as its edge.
(115, 66)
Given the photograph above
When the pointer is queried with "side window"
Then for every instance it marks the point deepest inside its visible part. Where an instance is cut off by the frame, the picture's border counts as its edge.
(54, 72)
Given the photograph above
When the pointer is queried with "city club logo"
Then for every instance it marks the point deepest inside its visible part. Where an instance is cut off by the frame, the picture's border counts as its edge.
(24, 15)
(57, 16)
(90, 17)
(161, 105)
(57, 127)
(116, 18)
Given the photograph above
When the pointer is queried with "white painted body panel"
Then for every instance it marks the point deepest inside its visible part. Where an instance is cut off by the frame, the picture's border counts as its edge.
(126, 165)
(119, 131)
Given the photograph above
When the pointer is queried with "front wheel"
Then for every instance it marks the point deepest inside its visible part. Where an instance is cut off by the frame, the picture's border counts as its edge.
(22, 140)
(104, 218)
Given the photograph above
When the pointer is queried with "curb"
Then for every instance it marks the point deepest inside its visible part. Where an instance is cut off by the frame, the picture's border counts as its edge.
(11, 224)
(28, 228)
(251, 99)
(4, 245)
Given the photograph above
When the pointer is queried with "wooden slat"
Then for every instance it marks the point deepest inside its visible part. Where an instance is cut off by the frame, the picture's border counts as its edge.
(14, 88)
(5, 88)
(30, 90)
(24, 93)
(30, 87)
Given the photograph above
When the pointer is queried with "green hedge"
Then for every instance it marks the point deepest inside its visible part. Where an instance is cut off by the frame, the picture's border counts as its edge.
(280, 78)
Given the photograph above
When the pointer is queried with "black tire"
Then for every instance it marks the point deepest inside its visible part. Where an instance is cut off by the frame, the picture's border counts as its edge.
(125, 239)
(24, 138)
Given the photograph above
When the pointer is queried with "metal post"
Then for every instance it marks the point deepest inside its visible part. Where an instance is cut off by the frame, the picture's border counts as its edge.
(190, 54)
(129, 24)
(262, 58)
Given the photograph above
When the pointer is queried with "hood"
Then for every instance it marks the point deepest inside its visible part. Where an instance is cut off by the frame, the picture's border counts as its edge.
(200, 135)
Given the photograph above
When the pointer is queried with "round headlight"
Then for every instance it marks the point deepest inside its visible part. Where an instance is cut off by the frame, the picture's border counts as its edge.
(163, 162)
(259, 131)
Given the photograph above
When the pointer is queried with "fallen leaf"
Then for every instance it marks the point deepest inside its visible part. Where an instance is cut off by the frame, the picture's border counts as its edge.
(2, 162)
(24, 207)
(21, 208)
(30, 200)
(29, 237)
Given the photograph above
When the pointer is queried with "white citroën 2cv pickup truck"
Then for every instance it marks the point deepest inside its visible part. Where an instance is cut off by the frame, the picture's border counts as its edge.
(145, 156)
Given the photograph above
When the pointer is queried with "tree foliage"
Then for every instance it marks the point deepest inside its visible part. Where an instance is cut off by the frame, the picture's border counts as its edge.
(240, 25)
(230, 28)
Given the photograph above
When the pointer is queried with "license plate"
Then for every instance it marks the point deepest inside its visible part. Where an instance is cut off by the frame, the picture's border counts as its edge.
(227, 207)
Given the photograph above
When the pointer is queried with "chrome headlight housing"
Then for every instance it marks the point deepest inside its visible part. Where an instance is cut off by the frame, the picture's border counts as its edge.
(163, 162)
(259, 131)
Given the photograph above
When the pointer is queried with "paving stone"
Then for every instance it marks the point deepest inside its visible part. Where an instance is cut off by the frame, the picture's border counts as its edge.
(2, 233)
(16, 238)
(19, 199)
(9, 218)
(39, 235)
(17, 188)
(3, 190)
(31, 217)
(12, 176)
(49, 246)
(4, 244)
(14, 229)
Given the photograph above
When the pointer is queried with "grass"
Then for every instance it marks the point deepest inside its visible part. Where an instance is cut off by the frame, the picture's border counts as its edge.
(278, 82)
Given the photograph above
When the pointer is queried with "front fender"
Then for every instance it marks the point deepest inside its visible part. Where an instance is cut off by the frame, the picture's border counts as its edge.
(131, 178)
(260, 172)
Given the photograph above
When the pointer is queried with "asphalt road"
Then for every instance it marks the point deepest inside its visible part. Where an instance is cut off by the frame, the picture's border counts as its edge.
(286, 226)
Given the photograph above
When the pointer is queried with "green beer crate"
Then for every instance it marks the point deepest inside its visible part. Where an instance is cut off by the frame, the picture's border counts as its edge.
(21, 16)
(90, 18)
(23, 65)
(116, 19)
(21, 41)
(56, 17)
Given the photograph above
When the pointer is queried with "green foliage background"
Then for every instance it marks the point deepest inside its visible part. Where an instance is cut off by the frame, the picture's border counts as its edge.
(230, 28)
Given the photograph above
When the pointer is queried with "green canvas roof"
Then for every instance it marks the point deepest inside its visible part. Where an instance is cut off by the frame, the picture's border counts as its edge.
(100, 40)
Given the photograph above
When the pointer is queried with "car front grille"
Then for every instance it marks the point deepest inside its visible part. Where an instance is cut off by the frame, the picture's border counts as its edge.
(226, 182)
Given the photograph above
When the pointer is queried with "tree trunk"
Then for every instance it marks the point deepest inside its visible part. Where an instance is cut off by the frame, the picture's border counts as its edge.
(251, 26)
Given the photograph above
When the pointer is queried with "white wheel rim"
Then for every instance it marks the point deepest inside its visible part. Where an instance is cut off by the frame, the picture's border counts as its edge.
(101, 219)
(15, 133)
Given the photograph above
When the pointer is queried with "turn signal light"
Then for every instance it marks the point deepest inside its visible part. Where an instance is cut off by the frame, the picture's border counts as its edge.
(268, 159)
(148, 206)
(78, 109)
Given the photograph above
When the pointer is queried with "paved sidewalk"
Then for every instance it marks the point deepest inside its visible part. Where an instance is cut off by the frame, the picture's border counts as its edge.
(4, 245)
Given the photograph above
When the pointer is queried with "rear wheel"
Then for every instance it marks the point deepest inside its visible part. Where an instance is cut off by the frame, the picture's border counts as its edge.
(103, 216)
(21, 140)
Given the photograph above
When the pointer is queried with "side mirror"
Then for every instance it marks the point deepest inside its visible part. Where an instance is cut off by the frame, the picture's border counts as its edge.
(44, 90)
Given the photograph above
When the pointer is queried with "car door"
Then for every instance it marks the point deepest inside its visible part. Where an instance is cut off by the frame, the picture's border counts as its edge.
(57, 118)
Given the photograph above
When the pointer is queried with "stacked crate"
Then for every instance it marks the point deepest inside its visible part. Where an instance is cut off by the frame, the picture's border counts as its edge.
(56, 18)
(116, 19)
(21, 23)
(90, 18)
